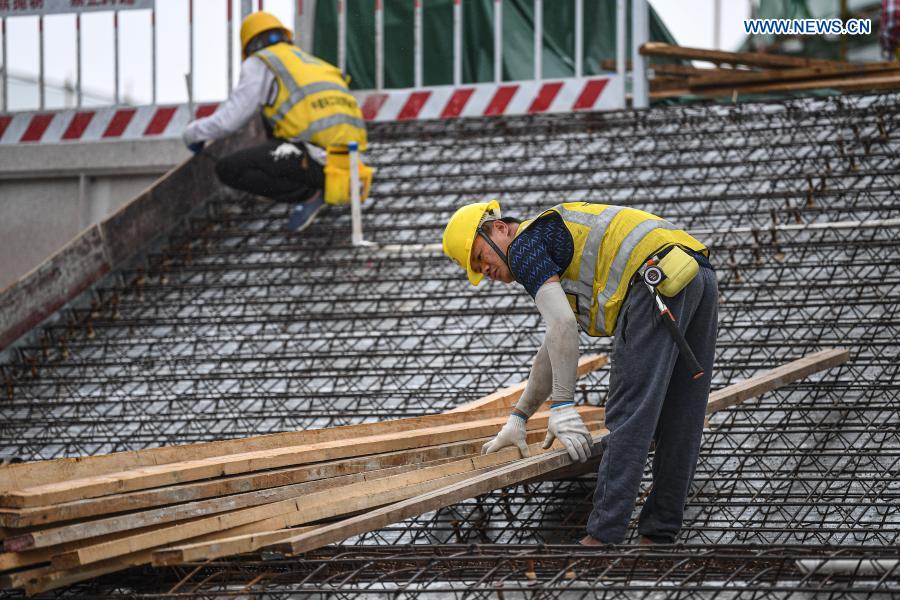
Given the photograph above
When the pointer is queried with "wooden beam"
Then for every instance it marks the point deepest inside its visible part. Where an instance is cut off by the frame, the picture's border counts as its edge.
(883, 81)
(508, 396)
(742, 78)
(43, 538)
(311, 507)
(24, 475)
(776, 378)
(253, 541)
(192, 470)
(187, 492)
(733, 58)
(518, 471)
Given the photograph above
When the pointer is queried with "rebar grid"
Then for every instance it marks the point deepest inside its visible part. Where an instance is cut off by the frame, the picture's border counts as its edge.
(550, 571)
(237, 328)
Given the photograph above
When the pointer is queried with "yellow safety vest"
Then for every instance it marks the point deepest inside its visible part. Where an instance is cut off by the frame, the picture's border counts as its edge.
(611, 243)
(313, 102)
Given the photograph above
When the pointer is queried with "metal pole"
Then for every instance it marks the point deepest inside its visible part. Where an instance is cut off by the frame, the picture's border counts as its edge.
(417, 42)
(640, 32)
(379, 45)
(41, 60)
(498, 40)
(152, 56)
(78, 98)
(538, 37)
(246, 8)
(190, 73)
(620, 46)
(5, 70)
(116, 54)
(355, 201)
(230, 26)
(342, 36)
(717, 24)
(579, 38)
(457, 42)
(259, 5)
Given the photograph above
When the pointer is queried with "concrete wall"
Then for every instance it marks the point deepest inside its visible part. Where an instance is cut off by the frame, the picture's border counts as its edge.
(50, 193)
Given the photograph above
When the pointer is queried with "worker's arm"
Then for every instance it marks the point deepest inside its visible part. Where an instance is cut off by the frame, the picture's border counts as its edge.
(251, 92)
(553, 373)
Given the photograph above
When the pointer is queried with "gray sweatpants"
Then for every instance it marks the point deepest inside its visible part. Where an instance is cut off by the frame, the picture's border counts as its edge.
(652, 397)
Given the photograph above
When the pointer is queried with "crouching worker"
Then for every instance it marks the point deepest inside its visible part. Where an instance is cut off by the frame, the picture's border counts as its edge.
(310, 117)
(587, 265)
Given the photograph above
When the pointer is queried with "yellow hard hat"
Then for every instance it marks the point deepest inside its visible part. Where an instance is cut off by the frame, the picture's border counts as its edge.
(459, 235)
(256, 23)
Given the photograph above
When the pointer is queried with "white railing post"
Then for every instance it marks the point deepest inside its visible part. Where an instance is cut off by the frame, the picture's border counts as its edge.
(5, 68)
(116, 56)
(498, 41)
(379, 45)
(417, 42)
(152, 60)
(457, 42)
(620, 47)
(41, 62)
(579, 38)
(538, 38)
(78, 98)
(640, 33)
(342, 35)
(230, 42)
(190, 73)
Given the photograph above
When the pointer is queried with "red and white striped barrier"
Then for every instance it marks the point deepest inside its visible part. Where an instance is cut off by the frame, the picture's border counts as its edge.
(445, 102)
(98, 124)
(491, 99)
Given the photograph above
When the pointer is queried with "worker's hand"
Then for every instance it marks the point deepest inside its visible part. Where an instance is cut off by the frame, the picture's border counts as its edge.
(512, 434)
(196, 147)
(565, 423)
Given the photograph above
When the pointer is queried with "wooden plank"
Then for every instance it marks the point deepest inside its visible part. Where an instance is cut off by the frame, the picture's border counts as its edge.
(150, 518)
(144, 499)
(890, 81)
(518, 471)
(311, 507)
(732, 58)
(508, 396)
(24, 475)
(202, 551)
(742, 78)
(885, 81)
(229, 546)
(776, 378)
(18, 560)
(50, 578)
(147, 477)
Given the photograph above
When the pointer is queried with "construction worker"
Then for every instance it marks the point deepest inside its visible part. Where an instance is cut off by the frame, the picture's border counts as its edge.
(583, 264)
(307, 109)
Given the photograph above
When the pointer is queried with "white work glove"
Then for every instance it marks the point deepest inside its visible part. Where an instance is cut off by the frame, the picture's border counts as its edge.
(566, 424)
(512, 434)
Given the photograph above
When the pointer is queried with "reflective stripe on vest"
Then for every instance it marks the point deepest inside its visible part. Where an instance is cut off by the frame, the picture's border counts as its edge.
(583, 288)
(292, 94)
(323, 124)
(596, 292)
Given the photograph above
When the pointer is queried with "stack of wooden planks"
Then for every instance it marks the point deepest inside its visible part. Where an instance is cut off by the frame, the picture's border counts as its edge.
(69, 520)
(740, 73)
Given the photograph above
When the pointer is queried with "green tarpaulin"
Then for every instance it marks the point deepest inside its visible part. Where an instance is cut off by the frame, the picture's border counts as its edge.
(478, 39)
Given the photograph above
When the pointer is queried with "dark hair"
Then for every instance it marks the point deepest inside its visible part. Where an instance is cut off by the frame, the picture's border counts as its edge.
(266, 38)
